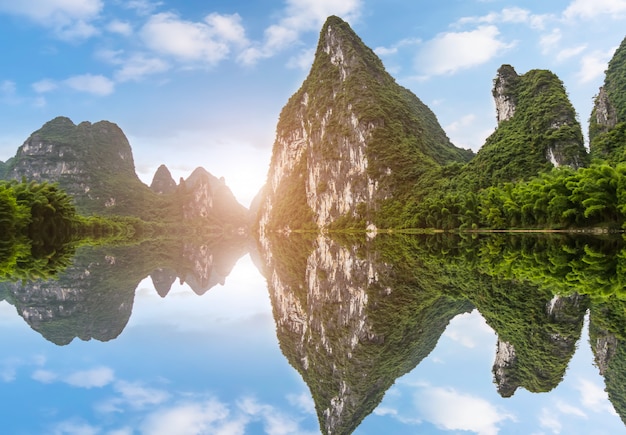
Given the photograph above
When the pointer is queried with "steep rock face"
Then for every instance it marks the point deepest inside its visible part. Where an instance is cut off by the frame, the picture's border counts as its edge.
(607, 123)
(92, 162)
(505, 360)
(349, 140)
(349, 323)
(537, 129)
(504, 93)
(162, 182)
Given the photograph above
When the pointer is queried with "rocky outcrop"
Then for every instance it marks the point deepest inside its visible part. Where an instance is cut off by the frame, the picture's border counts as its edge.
(504, 362)
(162, 182)
(349, 140)
(504, 92)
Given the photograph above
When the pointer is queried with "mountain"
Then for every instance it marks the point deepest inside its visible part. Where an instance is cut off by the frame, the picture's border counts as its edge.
(94, 164)
(162, 182)
(537, 129)
(350, 143)
(607, 123)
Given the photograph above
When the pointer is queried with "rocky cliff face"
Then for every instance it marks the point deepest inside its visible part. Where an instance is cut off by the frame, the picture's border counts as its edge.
(162, 182)
(504, 93)
(349, 323)
(349, 140)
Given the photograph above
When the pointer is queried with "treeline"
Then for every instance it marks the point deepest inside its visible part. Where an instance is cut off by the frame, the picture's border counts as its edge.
(560, 199)
(40, 230)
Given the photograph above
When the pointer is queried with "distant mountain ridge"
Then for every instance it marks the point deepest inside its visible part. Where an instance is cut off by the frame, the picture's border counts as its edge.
(94, 163)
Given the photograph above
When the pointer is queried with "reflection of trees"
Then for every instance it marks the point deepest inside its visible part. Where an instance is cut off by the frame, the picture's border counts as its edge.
(92, 294)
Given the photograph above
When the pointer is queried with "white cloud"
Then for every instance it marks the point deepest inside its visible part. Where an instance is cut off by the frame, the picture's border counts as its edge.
(593, 65)
(45, 85)
(449, 52)
(74, 428)
(549, 420)
(550, 41)
(69, 19)
(513, 15)
(138, 66)
(568, 53)
(92, 84)
(134, 396)
(593, 397)
(587, 9)
(210, 416)
(205, 42)
(304, 402)
(93, 378)
(303, 60)
(299, 16)
(142, 7)
(451, 410)
(120, 27)
(467, 329)
(44, 376)
(566, 408)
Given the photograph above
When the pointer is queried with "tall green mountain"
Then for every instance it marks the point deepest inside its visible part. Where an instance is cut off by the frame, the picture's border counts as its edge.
(351, 142)
(607, 124)
(537, 130)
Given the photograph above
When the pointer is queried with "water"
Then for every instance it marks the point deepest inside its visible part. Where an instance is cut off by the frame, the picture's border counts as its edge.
(298, 335)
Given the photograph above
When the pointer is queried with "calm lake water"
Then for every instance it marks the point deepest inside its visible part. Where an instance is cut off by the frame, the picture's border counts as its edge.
(306, 335)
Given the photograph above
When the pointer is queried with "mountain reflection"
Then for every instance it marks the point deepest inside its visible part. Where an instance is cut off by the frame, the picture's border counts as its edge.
(353, 314)
(93, 297)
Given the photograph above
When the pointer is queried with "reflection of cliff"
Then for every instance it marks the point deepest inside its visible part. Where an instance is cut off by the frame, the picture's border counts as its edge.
(350, 323)
(607, 328)
(537, 331)
(93, 297)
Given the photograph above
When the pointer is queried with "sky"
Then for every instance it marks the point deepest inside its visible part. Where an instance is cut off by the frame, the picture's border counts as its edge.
(199, 83)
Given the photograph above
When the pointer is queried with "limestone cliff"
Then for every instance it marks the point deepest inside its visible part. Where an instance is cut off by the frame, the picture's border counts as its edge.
(607, 123)
(537, 129)
(349, 141)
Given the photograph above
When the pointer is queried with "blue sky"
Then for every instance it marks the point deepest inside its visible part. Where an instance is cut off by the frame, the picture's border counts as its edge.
(200, 83)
